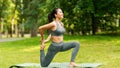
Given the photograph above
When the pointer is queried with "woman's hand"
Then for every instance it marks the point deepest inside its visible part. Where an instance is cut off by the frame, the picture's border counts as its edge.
(42, 46)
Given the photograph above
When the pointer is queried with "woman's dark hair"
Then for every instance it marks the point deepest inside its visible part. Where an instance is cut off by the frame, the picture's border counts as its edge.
(51, 15)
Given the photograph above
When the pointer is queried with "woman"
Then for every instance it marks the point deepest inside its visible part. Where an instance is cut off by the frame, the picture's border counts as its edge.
(56, 34)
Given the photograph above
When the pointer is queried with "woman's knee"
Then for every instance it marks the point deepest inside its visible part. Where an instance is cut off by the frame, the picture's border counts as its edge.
(77, 44)
(44, 65)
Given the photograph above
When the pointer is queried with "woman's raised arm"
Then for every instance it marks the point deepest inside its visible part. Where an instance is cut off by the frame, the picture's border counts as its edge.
(45, 27)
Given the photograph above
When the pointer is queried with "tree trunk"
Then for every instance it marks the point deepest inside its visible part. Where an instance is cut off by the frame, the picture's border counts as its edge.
(33, 33)
(0, 31)
(16, 30)
(94, 24)
(0, 35)
(12, 22)
(1, 18)
(94, 21)
(6, 33)
(83, 32)
(12, 27)
(10, 33)
(34, 30)
(0, 28)
(72, 31)
(22, 29)
(21, 18)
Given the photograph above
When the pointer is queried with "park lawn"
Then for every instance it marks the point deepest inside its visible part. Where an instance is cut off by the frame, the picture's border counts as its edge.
(94, 49)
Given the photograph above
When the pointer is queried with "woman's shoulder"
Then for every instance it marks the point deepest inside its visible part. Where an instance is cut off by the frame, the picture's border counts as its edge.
(53, 22)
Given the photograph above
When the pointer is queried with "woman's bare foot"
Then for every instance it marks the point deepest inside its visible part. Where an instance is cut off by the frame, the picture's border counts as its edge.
(73, 64)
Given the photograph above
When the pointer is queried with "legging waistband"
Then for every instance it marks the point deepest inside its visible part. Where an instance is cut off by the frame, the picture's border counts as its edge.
(58, 43)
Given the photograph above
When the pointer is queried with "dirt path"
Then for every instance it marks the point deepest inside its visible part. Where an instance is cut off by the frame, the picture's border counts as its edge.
(10, 39)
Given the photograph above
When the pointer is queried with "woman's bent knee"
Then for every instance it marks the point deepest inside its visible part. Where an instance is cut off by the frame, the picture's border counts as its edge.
(77, 44)
(44, 65)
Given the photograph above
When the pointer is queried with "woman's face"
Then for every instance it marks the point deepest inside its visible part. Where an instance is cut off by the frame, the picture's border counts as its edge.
(59, 14)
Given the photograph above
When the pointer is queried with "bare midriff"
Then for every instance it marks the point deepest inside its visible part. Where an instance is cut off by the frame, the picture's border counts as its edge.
(57, 39)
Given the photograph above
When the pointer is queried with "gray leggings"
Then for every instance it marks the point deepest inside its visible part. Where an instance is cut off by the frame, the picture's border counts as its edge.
(54, 48)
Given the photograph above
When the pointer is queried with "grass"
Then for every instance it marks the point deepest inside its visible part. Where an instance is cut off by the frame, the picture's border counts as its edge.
(94, 49)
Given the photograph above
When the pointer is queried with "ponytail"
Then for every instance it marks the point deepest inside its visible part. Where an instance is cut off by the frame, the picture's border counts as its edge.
(52, 15)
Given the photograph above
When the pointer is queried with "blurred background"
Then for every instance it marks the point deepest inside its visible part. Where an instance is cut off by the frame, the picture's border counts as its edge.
(81, 17)
(93, 23)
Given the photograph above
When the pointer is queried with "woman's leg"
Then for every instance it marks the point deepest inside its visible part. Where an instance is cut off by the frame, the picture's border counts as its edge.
(69, 45)
(42, 56)
(45, 60)
(52, 51)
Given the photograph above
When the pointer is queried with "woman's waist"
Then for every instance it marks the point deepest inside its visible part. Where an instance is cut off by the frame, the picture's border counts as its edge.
(57, 39)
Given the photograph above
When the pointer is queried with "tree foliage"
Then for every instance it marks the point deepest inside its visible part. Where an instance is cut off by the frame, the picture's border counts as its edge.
(81, 16)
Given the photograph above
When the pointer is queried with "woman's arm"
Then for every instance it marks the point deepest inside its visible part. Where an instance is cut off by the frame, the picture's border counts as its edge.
(49, 37)
(45, 27)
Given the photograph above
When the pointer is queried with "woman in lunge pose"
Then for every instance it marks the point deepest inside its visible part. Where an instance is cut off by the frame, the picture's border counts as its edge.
(55, 26)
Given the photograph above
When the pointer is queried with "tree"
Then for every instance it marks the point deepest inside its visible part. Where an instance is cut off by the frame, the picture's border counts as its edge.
(4, 11)
(90, 13)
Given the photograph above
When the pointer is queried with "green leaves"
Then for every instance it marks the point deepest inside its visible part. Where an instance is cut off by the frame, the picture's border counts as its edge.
(81, 16)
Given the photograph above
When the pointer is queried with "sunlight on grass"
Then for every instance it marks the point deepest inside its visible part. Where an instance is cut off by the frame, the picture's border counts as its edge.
(93, 49)
(30, 49)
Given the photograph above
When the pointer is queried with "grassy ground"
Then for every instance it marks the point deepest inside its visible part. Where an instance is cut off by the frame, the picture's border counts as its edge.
(94, 49)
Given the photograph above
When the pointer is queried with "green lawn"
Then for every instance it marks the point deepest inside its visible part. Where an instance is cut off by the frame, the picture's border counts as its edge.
(94, 49)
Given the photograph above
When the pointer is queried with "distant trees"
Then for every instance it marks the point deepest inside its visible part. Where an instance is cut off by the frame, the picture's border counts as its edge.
(86, 17)
(5, 16)
(89, 16)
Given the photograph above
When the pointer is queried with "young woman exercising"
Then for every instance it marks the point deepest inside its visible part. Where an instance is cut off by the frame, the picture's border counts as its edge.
(56, 35)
